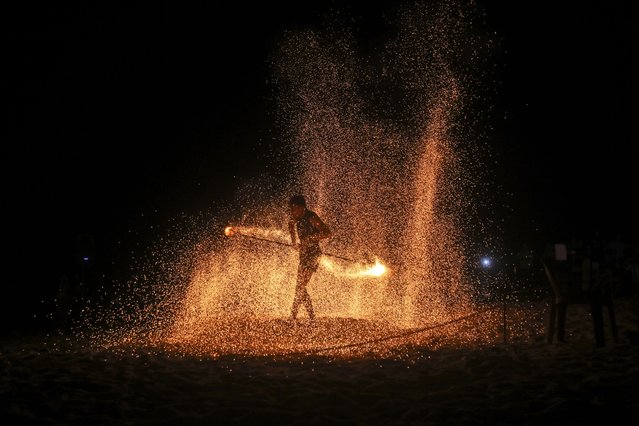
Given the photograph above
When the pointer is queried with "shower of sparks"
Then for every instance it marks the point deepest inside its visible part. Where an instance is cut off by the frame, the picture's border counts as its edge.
(382, 146)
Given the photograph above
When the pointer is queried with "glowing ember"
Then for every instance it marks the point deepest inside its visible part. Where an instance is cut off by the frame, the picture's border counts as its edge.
(229, 231)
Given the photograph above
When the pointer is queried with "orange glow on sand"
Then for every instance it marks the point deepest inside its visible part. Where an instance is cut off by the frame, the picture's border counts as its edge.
(395, 181)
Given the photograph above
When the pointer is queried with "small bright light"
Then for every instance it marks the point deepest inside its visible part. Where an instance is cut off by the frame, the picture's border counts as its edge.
(229, 231)
(486, 262)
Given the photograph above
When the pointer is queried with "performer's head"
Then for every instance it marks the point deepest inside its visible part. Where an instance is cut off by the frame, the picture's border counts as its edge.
(297, 204)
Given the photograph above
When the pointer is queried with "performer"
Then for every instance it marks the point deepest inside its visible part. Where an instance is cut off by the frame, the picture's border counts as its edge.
(307, 227)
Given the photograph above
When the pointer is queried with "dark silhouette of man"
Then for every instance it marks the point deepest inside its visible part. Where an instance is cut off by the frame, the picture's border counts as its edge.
(306, 229)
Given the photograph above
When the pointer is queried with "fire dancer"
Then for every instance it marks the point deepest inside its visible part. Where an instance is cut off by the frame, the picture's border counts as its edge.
(306, 226)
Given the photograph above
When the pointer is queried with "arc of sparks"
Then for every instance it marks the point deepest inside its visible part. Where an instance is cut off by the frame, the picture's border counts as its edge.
(376, 270)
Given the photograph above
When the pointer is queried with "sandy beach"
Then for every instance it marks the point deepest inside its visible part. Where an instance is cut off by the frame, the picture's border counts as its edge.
(56, 378)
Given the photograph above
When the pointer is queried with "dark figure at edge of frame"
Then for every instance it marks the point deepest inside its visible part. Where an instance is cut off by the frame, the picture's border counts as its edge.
(306, 226)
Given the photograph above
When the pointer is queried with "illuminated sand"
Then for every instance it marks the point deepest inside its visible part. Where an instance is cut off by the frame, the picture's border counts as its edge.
(382, 147)
(531, 382)
(346, 337)
(330, 338)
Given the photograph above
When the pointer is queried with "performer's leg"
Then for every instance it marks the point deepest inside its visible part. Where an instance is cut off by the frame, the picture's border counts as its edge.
(301, 294)
(300, 290)
(308, 304)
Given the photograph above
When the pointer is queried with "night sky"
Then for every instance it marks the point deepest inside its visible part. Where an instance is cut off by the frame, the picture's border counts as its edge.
(123, 110)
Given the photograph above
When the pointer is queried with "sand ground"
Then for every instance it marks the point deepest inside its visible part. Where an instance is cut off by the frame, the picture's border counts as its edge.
(54, 379)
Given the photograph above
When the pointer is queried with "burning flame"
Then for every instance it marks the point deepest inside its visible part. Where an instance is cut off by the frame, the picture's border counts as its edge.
(360, 270)
(377, 270)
